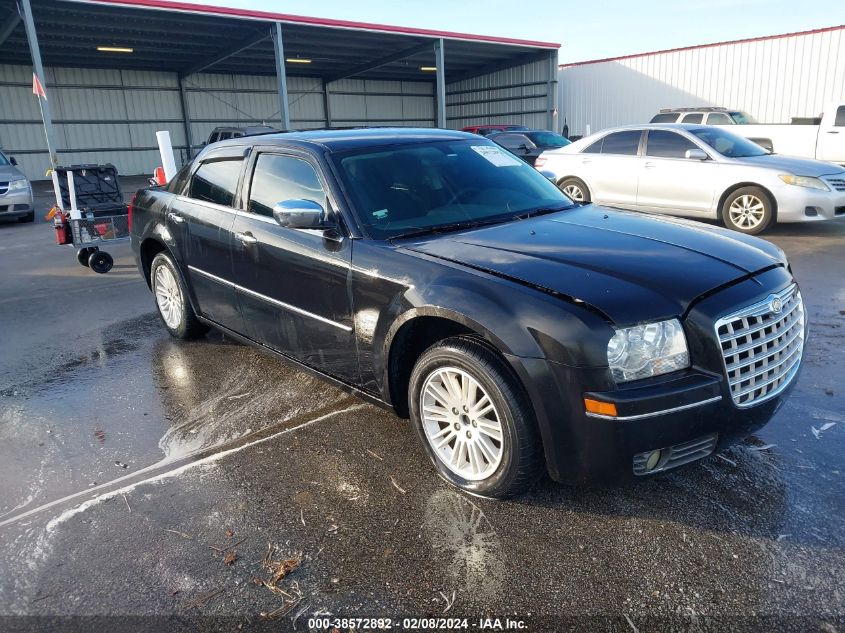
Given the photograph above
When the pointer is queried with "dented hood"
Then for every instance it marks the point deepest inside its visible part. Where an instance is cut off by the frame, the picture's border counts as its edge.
(630, 266)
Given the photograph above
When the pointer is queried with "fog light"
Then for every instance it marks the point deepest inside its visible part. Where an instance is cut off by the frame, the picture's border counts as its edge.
(653, 460)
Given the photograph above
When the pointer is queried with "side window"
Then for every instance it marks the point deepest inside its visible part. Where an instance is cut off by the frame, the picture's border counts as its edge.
(278, 178)
(719, 118)
(216, 181)
(840, 117)
(625, 143)
(667, 117)
(663, 144)
(177, 185)
(593, 148)
(215, 136)
(695, 117)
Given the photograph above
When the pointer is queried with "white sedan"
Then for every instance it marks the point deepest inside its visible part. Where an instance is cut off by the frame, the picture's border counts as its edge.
(696, 171)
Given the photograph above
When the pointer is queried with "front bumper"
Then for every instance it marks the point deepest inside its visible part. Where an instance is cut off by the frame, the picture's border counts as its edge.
(16, 204)
(692, 411)
(802, 204)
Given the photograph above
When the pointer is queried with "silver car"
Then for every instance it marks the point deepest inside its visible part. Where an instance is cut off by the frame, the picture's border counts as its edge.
(15, 192)
(699, 172)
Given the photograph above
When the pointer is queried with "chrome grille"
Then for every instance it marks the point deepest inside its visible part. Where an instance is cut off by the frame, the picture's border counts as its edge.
(677, 455)
(837, 183)
(762, 346)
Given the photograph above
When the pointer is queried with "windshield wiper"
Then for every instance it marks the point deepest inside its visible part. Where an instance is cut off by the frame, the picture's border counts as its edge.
(454, 226)
(533, 213)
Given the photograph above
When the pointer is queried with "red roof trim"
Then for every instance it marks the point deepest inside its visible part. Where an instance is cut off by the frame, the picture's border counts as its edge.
(249, 14)
(690, 48)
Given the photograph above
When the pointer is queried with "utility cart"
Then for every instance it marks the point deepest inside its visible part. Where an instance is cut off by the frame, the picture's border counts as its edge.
(90, 212)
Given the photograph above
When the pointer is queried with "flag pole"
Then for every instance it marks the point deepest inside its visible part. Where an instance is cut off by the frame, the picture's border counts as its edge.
(38, 79)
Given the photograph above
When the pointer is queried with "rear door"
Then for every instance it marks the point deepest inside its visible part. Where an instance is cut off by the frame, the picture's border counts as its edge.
(203, 216)
(671, 183)
(611, 168)
(293, 283)
(831, 143)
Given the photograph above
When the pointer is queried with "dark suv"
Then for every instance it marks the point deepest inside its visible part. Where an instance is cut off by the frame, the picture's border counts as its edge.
(434, 273)
(528, 145)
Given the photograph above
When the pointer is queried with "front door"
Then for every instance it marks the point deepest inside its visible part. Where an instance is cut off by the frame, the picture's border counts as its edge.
(292, 284)
(670, 182)
(204, 215)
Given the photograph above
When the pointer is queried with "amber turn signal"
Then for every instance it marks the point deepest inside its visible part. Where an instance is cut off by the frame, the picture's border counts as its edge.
(601, 408)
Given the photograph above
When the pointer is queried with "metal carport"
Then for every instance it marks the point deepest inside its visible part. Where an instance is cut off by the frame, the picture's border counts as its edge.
(188, 68)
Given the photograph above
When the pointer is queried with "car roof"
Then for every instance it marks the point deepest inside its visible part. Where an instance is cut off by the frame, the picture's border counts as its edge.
(354, 138)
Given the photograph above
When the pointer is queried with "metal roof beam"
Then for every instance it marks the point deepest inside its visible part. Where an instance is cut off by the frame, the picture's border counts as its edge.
(226, 53)
(513, 62)
(384, 61)
(10, 25)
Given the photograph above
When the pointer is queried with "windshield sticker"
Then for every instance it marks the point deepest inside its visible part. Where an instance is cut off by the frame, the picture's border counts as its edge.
(498, 157)
(380, 214)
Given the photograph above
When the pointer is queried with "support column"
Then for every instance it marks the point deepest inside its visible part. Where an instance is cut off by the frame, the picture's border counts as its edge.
(327, 103)
(281, 75)
(186, 117)
(441, 83)
(25, 10)
(551, 91)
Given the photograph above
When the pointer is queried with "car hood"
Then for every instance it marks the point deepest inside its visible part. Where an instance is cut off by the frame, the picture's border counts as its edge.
(629, 266)
(9, 172)
(796, 166)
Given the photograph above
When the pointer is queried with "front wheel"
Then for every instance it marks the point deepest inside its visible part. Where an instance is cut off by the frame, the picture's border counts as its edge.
(575, 190)
(473, 419)
(748, 210)
(172, 301)
(100, 262)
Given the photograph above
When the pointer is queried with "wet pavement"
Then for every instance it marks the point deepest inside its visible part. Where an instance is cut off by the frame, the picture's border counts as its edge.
(142, 479)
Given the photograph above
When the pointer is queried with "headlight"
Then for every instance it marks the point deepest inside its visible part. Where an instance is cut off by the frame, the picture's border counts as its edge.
(18, 185)
(647, 350)
(803, 181)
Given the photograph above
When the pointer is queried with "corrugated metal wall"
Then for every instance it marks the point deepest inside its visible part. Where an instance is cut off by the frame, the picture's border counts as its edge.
(104, 116)
(515, 95)
(773, 79)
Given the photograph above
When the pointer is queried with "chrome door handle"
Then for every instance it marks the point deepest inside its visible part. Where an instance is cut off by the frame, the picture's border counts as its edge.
(246, 238)
(175, 217)
(650, 165)
(833, 131)
(584, 161)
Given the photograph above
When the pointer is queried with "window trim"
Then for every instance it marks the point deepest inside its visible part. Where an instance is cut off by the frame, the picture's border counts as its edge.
(215, 157)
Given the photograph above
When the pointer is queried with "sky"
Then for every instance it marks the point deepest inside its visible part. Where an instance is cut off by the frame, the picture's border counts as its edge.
(587, 29)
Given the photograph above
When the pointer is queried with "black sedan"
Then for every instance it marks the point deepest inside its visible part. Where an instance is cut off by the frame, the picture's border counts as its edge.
(436, 274)
(528, 145)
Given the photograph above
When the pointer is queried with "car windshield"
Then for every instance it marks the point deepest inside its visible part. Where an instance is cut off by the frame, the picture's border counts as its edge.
(444, 185)
(728, 144)
(3, 160)
(743, 118)
(548, 139)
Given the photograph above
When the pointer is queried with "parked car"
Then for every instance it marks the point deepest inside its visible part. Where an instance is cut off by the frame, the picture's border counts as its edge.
(225, 133)
(489, 128)
(434, 273)
(530, 144)
(822, 138)
(15, 192)
(706, 116)
(697, 171)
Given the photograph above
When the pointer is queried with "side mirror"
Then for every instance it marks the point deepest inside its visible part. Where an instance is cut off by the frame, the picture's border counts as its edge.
(549, 176)
(13, 160)
(300, 214)
(696, 154)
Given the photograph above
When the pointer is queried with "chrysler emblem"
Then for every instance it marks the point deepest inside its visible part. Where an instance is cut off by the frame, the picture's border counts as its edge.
(775, 305)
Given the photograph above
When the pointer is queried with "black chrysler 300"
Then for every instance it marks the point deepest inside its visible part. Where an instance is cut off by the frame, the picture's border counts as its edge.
(433, 272)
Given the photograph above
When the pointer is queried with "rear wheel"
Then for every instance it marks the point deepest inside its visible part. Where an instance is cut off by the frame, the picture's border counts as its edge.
(83, 254)
(100, 262)
(748, 210)
(172, 301)
(575, 190)
(473, 419)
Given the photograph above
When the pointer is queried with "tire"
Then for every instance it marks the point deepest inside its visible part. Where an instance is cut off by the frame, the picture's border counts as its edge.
(575, 190)
(748, 210)
(476, 465)
(83, 254)
(171, 299)
(29, 217)
(100, 262)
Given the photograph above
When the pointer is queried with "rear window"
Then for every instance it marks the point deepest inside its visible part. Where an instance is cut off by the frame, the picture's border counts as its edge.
(667, 117)
(216, 181)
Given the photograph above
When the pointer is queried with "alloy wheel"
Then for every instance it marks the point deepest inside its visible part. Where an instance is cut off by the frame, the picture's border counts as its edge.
(461, 423)
(574, 193)
(168, 297)
(747, 212)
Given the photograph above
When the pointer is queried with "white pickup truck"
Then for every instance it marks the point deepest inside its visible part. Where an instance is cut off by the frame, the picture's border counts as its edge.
(824, 140)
